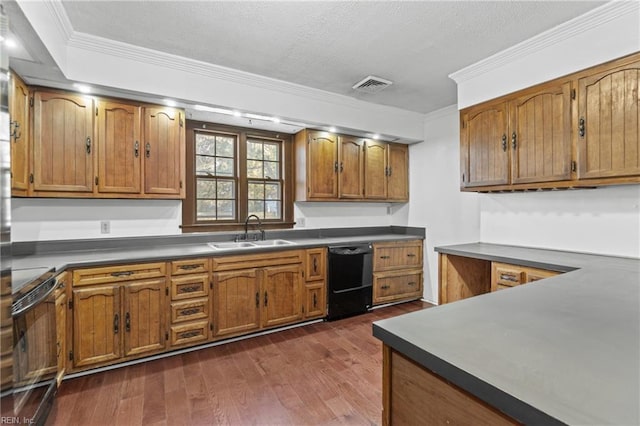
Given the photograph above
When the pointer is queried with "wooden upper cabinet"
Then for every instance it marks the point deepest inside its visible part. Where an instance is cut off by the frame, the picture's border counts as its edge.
(375, 169)
(351, 159)
(164, 151)
(322, 165)
(19, 128)
(119, 147)
(484, 150)
(63, 142)
(608, 140)
(398, 172)
(540, 134)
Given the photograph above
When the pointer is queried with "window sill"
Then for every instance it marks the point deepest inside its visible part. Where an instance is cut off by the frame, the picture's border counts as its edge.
(221, 227)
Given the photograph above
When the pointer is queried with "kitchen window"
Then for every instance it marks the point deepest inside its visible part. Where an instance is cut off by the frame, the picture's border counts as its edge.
(234, 172)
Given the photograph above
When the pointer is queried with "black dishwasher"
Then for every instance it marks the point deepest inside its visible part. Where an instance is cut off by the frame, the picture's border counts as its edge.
(350, 280)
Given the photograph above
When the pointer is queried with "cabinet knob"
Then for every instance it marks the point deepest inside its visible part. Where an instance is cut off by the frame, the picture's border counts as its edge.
(504, 143)
(88, 144)
(147, 150)
(581, 127)
(513, 140)
(136, 149)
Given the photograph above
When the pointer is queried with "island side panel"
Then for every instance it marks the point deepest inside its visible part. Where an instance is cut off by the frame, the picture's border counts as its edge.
(462, 277)
(414, 395)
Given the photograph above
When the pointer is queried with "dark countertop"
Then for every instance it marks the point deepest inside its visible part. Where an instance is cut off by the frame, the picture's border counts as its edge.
(562, 350)
(62, 255)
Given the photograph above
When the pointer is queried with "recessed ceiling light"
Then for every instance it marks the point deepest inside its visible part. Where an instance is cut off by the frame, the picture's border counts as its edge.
(170, 102)
(332, 129)
(10, 43)
(376, 136)
(213, 109)
(237, 114)
(275, 119)
(82, 88)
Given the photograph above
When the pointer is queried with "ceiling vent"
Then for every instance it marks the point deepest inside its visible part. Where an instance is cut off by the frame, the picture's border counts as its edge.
(372, 84)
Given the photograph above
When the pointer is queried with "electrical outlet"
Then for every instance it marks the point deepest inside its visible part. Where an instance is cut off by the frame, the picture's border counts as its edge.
(105, 227)
(301, 222)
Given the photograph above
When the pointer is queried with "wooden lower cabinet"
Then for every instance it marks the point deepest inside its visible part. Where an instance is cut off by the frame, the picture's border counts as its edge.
(281, 287)
(397, 271)
(315, 299)
(413, 395)
(505, 275)
(115, 321)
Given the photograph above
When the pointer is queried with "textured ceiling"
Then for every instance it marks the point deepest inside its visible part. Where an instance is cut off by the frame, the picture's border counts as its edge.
(331, 45)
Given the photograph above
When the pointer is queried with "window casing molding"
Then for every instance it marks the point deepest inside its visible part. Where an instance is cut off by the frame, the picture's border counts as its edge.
(190, 223)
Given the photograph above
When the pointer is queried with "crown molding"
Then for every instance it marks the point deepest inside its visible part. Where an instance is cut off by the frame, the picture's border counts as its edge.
(60, 18)
(580, 24)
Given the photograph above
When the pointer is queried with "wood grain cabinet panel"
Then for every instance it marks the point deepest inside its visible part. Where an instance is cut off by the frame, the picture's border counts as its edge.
(375, 170)
(397, 271)
(189, 286)
(484, 150)
(281, 287)
(505, 275)
(315, 299)
(63, 142)
(540, 135)
(236, 302)
(144, 312)
(351, 167)
(397, 285)
(316, 264)
(164, 151)
(119, 147)
(609, 119)
(322, 165)
(398, 172)
(19, 134)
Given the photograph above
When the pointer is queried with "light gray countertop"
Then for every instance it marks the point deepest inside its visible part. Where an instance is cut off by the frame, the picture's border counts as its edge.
(562, 350)
(137, 250)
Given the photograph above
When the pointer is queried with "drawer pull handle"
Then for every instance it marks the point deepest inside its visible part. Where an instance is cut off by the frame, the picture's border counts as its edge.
(116, 324)
(266, 298)
(315, 300)
(127, 322)
(188, 334)
(189, 267)
(190, 311)
(384, 287)
(257, 299)
(509, 277)
(411, 283)
(385, 257)
(190, 289)
(411, 255)
(121, 274)
(315, 265)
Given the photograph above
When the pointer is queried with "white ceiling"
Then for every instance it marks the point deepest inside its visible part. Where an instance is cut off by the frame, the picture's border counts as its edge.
(331, 45)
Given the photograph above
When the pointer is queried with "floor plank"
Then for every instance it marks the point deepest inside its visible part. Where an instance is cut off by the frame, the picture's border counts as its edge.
(327, 373)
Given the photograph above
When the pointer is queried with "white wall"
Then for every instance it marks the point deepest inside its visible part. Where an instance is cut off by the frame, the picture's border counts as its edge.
(449, 216)
(38, 219)
(343, 215)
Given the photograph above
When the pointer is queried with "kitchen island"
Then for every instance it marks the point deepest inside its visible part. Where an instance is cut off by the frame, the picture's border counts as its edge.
(562, 350)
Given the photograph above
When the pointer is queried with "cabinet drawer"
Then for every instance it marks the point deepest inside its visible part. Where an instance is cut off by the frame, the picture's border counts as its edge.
(244, 261)
(533, 274)
(189, 266)
(189, 287)
(315, 265)
(392, 286)
(315, 299)
(189, 310)
(189, 333)
(397, 255)
(506, 275)
(111, 274)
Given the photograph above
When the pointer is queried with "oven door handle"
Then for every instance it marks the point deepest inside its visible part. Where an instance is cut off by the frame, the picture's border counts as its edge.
(351, 289)
(36, 299)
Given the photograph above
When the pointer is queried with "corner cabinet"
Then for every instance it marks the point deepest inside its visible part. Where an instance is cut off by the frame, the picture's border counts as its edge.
(580, 130)
(332, 167)
(19, 134)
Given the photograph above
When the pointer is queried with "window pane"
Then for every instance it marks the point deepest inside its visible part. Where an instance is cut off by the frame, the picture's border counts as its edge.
(205, 165)
(256, 191)
(224, 167)
(206, 209)
(224, 146)
(254, 150)
(257, 208)
(271, 152)
(226, 209)
(272, 191)
(272, 210)
(206, 188)
(271, 170)
(205, 144)
(226, 190)
(254, 169)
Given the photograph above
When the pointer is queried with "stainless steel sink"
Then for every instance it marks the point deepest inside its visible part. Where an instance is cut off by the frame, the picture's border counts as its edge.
(249, 244)
(268, 243)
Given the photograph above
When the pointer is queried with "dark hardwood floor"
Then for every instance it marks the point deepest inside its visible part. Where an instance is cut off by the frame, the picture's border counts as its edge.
(324, 373)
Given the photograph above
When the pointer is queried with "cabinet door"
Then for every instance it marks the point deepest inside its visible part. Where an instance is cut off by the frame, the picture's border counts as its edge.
(236, 302)
(484, 153)
(163, 152)
(61, 335)
(62, 142)
(540, 137)
(375, 170)
(397, 285)
(398, 172)
(350, 157)
(144, 313)
(36, 347)
(322, 165)
(281, 287)
(315, 299)
(19, 117)
(97, 324)
(315, 262)
(608, 118)
(119, 148)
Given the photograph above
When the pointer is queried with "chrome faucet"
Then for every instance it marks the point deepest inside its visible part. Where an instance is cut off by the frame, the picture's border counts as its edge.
(246, 227)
